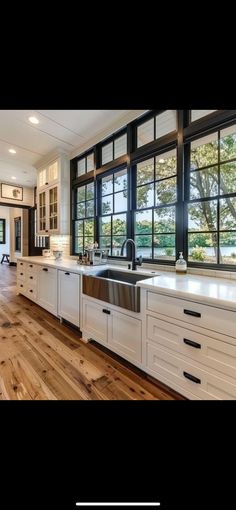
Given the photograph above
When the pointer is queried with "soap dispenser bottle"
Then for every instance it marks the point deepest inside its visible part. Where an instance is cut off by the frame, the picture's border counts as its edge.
(181, 264)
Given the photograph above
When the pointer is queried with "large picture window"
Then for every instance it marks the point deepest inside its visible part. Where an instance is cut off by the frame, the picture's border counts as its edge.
(112, 207)
(212, 199)
(168, 183)
(156, 196)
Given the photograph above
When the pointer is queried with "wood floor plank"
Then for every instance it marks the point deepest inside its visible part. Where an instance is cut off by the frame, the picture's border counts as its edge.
(41, 359)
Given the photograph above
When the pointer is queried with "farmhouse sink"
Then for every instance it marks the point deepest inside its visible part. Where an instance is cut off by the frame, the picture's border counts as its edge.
(115, 287)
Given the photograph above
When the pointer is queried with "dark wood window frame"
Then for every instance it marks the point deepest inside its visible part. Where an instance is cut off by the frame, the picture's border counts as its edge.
(186, 132)
(2, 231)
(17, 233)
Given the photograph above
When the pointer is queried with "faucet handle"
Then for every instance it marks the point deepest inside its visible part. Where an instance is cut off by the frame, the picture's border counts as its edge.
(140, 259)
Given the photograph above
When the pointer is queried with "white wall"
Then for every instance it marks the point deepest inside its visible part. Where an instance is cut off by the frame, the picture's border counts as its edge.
(4, 213)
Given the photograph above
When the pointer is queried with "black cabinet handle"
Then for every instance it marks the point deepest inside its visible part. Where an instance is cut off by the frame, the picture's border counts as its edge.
(67, 274)
(46, 183)
(190, 312)
(21, 285)
(192, 378)
(31, 277)
(31, 291)
(192, 343)
(45, 269)
(22, 274)
(106, 311)
(21, 263)
(30, 265)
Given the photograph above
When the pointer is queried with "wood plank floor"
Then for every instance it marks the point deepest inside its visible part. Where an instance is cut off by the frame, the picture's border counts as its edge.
(40, 359)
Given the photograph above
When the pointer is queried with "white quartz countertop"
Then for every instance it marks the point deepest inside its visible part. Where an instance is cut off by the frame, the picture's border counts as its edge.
(219, 292)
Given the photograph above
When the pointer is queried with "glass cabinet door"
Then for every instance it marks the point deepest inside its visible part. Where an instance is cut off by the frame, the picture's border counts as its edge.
(53, 208)
(53, 172)
(42, 211)
(42, 177)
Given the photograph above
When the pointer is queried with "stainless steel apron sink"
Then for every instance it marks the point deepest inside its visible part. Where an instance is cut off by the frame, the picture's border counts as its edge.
(115, 287)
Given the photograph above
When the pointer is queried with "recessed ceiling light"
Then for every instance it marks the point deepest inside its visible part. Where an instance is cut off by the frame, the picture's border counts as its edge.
(13, 177)
(34, 120)
(12, 151)
(161, 161)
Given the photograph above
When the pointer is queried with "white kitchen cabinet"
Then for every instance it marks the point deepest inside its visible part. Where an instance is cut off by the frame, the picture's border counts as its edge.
(69, 296)
(94, 321)
(125, 335)
(47, 289)
(119, 331)
(190, 346)
(53, 197)
(48, 175)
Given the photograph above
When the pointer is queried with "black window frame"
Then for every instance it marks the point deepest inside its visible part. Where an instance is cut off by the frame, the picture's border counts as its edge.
(186, 132)
(3, 223)
(213, 198)
(84, 218)
(17, 234)
(99, 215)
(112, 139)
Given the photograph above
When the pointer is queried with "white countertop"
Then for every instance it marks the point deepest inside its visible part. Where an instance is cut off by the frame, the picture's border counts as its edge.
(219, 292)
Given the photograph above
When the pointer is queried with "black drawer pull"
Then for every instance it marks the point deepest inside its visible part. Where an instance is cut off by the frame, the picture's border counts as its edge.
(31, 291)
(30, 265)
(190, 312)
(21, 285)
(45, 269)
(31, 277)
(21, 263)
(192, 378)
(46, 183)
(67, 274)
(22, 274)
(106, 311)
(192, 343)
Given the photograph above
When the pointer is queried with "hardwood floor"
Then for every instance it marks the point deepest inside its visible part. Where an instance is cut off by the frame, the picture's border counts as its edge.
(41, 359)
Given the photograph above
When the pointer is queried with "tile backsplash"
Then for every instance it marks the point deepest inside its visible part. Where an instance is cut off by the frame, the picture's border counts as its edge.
(60, 243)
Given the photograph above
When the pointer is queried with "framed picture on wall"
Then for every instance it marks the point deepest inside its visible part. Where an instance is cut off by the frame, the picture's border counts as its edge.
(11, 192)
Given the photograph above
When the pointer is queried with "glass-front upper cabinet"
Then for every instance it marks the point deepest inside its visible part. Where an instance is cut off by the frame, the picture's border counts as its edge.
(53, 209)
(42, 211)
(48, 175)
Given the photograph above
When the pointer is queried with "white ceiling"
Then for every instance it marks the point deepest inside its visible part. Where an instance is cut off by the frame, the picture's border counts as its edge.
(71, 131)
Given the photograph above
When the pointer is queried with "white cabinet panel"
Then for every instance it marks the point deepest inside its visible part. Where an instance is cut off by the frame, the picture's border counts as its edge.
(205, 316)
(187, 376)
(213, 353)
(47, 289)
(94, 321)
(125, 335)
(68, 296)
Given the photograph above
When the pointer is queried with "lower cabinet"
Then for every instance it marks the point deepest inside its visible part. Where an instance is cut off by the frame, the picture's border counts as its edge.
(47, 289)
(118, 331)
(68, 296)
(94, 322)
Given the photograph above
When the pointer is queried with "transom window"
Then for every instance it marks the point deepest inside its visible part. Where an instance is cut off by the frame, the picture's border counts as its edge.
(156, 127)
(85, 164)
(113, 206)
(114, 149)
(156, 196)
(212, 199)
(84, 217)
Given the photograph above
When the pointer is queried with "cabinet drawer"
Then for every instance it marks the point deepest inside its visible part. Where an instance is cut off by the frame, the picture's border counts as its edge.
(190, 377)
(213, 353)
(31, 279)
(205, 316)
(32, 293)
(22, 286)
(32, 268)
(21, 274)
